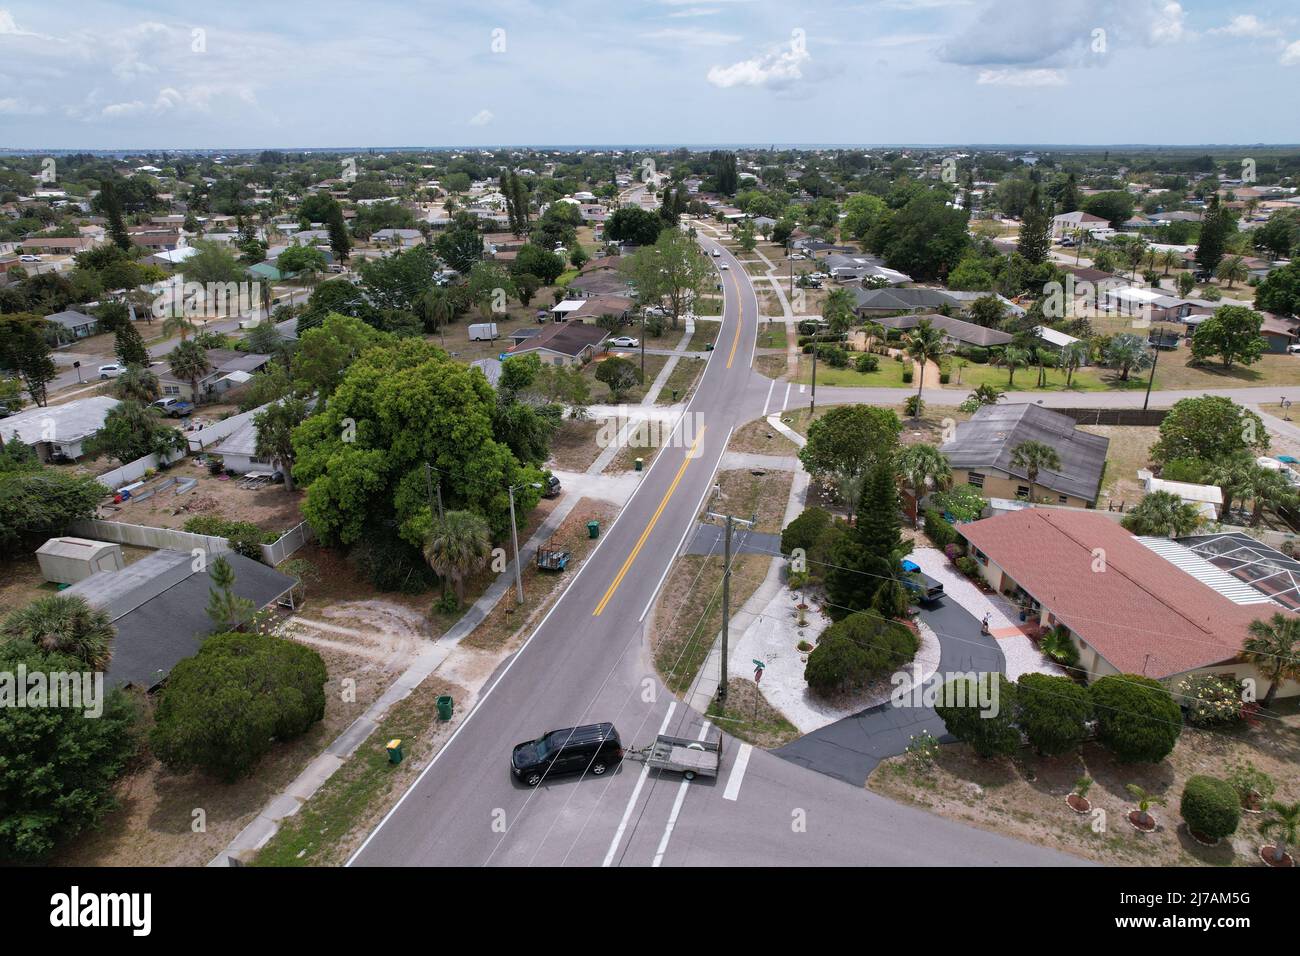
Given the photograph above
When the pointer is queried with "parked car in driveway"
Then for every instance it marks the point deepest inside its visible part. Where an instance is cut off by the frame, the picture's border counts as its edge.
(174, 407)
(624, 342)
(593, 748)
(29, 258)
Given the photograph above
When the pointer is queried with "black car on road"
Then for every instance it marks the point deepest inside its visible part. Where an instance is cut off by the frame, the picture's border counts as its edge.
(593, 747)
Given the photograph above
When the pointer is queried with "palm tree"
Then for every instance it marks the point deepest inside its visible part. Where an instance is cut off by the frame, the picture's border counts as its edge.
(1232, 269)
(838, 309)
(919, 466)
(1033, 457)
(1274, 647)
(1163, 513)
(1269, 489)
(1127, 352)
(457, 545)
(137, 383)
(181, 325)
(1073, 355)
(1012, 359)
(987, 394)
(189, 361)
(874, 331)
(1234, 476)
(923, 344)
(1134, 253)
(1171, 259)
(1284, 820)
(1144, 801)
(63, 624)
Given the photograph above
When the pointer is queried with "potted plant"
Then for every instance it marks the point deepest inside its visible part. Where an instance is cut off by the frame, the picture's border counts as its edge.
(1283, 822)
(1141, 819)
(1078, 798)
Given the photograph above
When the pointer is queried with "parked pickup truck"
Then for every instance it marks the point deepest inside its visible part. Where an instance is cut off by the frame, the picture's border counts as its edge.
(921, 584)
(174, 407)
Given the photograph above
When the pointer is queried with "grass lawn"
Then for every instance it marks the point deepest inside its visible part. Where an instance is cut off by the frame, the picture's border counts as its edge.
(763, 497)
(888, 375)
(687, 616)
(749, 717)
(706, 331)
(1130, 449)
(1174, 372)
(773, 366)
(681, 381)
(758, 437)
(773, 335)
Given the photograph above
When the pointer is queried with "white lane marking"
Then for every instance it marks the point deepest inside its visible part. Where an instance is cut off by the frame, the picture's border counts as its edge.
(689, 528)
(636, 792)
(737, 772)
(785, 402)
(767, 401)
(677, 808)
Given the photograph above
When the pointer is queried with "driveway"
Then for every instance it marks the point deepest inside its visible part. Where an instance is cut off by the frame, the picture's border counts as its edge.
(849, 749)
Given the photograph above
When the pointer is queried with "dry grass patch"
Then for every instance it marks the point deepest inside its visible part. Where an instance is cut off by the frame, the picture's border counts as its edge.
(758, 437)
(749, 717)
(1025, 798)
(573, 447)
(681, 381)
(1130, 449)
(749, 495)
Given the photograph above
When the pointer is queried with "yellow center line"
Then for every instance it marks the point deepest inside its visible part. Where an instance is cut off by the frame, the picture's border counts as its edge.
(649, 527)
(740, 320)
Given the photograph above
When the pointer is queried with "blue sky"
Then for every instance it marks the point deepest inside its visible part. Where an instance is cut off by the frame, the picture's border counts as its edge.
(440, 73)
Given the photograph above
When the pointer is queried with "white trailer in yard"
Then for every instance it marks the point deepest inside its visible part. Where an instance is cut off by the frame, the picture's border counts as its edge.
(483, 331)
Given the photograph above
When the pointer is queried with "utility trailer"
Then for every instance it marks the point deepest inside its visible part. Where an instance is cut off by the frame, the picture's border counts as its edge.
(690, 758)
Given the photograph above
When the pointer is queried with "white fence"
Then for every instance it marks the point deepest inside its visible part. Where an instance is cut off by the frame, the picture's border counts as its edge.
(140, 536)
(210, 434)
(134, 471)
(287, 544)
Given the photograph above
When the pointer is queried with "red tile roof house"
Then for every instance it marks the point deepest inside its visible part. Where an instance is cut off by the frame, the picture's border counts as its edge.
(1128, 610)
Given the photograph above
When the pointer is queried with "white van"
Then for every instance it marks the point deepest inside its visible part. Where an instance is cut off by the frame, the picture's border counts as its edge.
(483, 331)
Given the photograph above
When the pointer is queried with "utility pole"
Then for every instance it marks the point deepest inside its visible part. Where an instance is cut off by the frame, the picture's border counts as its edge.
(1154, 363)
(730, 522)
(812, 401)
(428, 481)
(514, 538)
(643, 344)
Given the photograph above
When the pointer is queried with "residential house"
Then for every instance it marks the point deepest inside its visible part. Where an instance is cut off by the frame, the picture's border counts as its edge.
(956, 332)
(598, 282)
(563, 343)
(1129, 605)
(229, 369)
(58, 431)
(72, 325)
(1068, 222)
(158, 606)
(982, 450)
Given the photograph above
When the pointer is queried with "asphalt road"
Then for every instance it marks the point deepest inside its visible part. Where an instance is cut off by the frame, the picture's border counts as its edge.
(588, 661)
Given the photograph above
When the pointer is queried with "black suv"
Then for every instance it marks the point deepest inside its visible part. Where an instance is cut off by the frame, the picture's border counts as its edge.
(594, 747)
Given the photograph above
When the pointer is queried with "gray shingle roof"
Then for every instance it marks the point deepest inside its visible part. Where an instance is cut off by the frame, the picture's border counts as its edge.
(962, 331)
(993, 433)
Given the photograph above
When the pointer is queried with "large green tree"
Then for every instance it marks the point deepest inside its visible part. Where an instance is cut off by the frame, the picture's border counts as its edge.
(1231, 334)
(1212, 428)
(849, 439)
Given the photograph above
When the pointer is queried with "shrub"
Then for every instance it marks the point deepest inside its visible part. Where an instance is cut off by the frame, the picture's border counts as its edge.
(1057, 645)
(952, 552)
(59, 766)
(833, 355)
(914, 406)
(1137, 718)
(1053, 712)
(968, 566)
(990, 732)
(806, 530)
(943, 534)
(223, 708)
(1253, 785)
(1210, 806)
(907, 376)
(856, 650)
(390, 564)
(867, 363)
(943, 378)
(1210, 701)
(978, 354)
(245, 537)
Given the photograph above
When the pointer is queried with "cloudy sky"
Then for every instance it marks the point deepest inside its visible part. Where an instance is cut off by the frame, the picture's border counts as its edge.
(438, 72)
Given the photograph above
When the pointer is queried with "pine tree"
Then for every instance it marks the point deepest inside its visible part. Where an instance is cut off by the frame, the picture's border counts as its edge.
(506, 188)
(1070, 200)
(521, 202)
(340, 242)
(1035, 230)
(113, 213)
(1214, 234)
(130, 347)
(880, 529)
(227, 610)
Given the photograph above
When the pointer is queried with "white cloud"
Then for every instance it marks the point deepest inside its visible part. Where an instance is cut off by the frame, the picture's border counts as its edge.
(1166, 24)
(9, 28)
(1291, 55)
(193, 99)
(481, 118)
(1247, 25)
(1009, 77)
(694, 37)
(925, 4)
(10, 106)
(776, 69)
(695, 12)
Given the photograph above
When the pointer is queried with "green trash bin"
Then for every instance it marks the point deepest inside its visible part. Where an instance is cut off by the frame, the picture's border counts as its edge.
(640, 463)
(444, 707)
(593, 529)
(395, 750)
